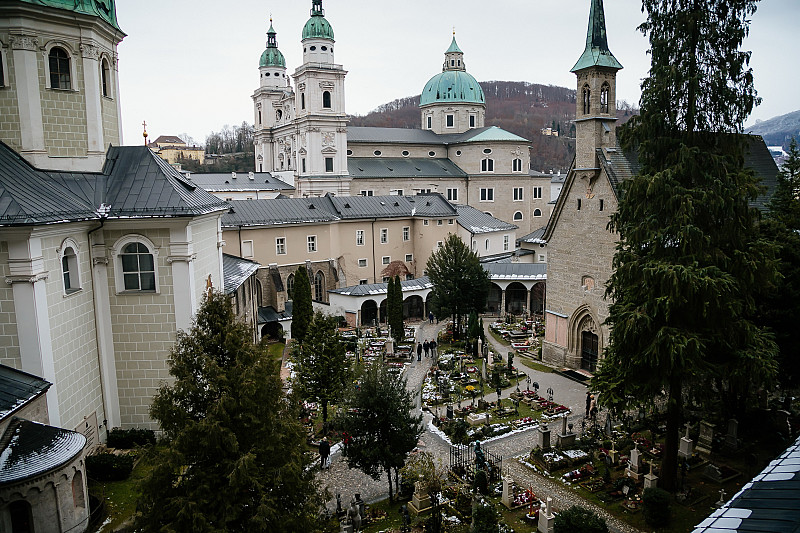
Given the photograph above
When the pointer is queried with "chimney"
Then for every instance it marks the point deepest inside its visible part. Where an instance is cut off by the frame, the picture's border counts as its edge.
(233, 175)
(251, 175)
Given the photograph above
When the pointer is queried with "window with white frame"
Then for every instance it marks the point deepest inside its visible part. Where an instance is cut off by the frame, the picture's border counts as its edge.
(537, 212)
(367, 193)
(487, 195)
(312, 243)
(440, 222)
(60, 68)
(516, 165)
(384, 235)
(506, 241)
(69, 267)
(450, 121)
(537, 192)
(451, 221)
(362, 263)
(430, 122)
(517, 216)
(406, 233)
(425, 222)
(136, 265)
(360, 237)
(409, 258)
(247, 249)
(518, 194)
(386, 259)
(452, 195)
(472, 121)
(280, 245)
(328, 164)
(487, 165)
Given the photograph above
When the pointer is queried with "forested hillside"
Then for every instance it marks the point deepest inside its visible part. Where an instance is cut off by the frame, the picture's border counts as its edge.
(519, 107)
(778, 131)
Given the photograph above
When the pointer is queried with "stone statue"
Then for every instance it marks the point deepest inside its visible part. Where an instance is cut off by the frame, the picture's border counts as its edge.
(480, 458)
(353, 515)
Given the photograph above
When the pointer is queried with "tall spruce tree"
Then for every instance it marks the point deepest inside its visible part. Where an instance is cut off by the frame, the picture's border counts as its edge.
(688, 263)
(323, 372)
(394, 308)
(233, 456)
(302, 309)
(460, 283)
(380, 420)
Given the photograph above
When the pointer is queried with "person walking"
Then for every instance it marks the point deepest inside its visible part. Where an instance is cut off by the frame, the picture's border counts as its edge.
(588, 403)
(593, 408)
(430, 317)
(324, 454)
(426, 347)
(419, 351)
(432, 346)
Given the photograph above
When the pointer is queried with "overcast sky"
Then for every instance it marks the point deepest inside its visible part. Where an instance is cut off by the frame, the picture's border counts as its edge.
(192, 66)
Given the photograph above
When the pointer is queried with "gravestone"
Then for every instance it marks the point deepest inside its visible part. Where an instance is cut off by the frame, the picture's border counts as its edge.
(613, 454)
(508, 490)
(713, 473)
(704, 442)
(546, 517)
(686, 446)
(475, 419)
(420, 501)
(543, 437)
(450, 412)
(731, 439)
(565, 439)
(634, 470)
(650, 480)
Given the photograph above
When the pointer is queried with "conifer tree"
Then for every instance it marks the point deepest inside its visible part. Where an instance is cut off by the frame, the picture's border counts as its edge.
(233, 458)
(323, 371)
(302, 309)
(688, 263)
(383, 428)
(397, 322)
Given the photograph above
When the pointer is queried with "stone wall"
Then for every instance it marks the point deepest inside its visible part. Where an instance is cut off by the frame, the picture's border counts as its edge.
(9, 105)
(9, 341)
(64, 112)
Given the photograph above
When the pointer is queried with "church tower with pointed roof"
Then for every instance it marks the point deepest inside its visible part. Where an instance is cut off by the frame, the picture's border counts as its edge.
(453, 100)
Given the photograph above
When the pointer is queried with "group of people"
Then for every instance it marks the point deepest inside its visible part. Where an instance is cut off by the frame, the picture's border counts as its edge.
(429, 347)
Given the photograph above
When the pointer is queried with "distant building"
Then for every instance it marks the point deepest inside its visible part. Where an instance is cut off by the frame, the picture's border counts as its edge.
(242, 186)
(173, 149)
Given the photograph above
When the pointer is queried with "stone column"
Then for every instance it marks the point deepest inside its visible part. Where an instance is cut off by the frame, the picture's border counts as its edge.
(502, 302)
(27, 279)
(181, 255)
(26, 76)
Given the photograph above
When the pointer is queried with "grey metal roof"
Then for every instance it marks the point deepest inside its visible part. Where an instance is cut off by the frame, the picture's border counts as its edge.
(224, 181)
(270, 314)
(381, 288)
(403, 167)
(29, 449)
(521, 271)
(769, 502)
(477, 222)
(17, 388)
(416, 136)
(236, 271)
(134, 183)
(279, 211)
(534, 237)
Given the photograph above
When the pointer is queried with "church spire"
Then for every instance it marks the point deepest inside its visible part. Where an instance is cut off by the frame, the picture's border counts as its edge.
(272, 40)
(597, 53)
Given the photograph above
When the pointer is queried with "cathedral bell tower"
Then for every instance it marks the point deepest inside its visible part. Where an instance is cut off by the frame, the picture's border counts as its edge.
(596, 111)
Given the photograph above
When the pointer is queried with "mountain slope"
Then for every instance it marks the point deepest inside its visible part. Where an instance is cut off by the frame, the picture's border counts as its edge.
(778, 131)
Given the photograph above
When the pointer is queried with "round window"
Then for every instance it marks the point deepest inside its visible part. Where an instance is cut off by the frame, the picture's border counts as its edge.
(349, 152)
(324, 48)
(377, 152)
(431, 153)
(405, 153)
(313, 48)
(458, 152)
(487, 150)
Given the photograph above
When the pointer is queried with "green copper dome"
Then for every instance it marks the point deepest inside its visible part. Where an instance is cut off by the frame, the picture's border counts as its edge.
(318, 27)
(456, 86)
(272, 57)
(105, 9)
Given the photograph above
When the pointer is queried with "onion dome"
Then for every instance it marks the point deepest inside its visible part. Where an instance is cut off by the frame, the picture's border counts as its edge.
(272, 57)
(317, 26)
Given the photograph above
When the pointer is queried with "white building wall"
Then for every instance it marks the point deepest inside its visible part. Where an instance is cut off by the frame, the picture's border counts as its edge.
(208, 256)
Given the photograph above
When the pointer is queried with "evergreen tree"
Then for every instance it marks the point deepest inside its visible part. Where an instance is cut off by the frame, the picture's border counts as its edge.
(323, 371)
(381, 424)
(688, 263)
(394, 308)
(233, 456)
(460, 283)
(579, 520)
(302, 309)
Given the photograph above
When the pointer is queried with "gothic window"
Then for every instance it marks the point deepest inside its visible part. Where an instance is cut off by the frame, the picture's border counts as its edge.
(604, 98)
(138, 267)
(105, 78)
(259, 294)
(319, 287)
(59, 69)
(587, 99)
(290, 286)
(326, 99)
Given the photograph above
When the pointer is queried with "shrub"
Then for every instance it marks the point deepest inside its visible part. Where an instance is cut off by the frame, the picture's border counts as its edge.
(656, 506)
(481, 482)
(485, 518)
(579, 520)
(109, 467)
(126, 439)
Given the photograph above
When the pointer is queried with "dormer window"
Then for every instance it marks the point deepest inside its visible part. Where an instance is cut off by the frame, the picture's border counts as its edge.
(604, 98)
(587, 97)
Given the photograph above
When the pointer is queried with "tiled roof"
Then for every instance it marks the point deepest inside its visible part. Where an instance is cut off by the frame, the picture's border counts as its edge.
(279, 211)
(381, 288)
(520, 271)
(403, 167)
(134, 183)
(18, 388)
(769, 502)
(477, 222)
(417, 136)
(236, 271)
(223, 181)
(28, 449)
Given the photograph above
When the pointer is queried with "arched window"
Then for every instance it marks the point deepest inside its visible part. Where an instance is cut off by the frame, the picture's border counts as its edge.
(587, 99)
(69, 269)
(259, 293)
(78, 497)
(604, 97)
(537, 212)
(138, 268)
(326, 99)
(21, 517)
(290, 286)
(105, 78)
(319, 286)
(486, 245)
(59, 69)
(518, 216)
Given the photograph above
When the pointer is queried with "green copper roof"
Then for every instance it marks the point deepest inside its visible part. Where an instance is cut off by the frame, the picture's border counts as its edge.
(272, 57)
(493, 134)
(596, 53)
(454, 47)
(318, 28)
(455, 86)
(105, 9)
